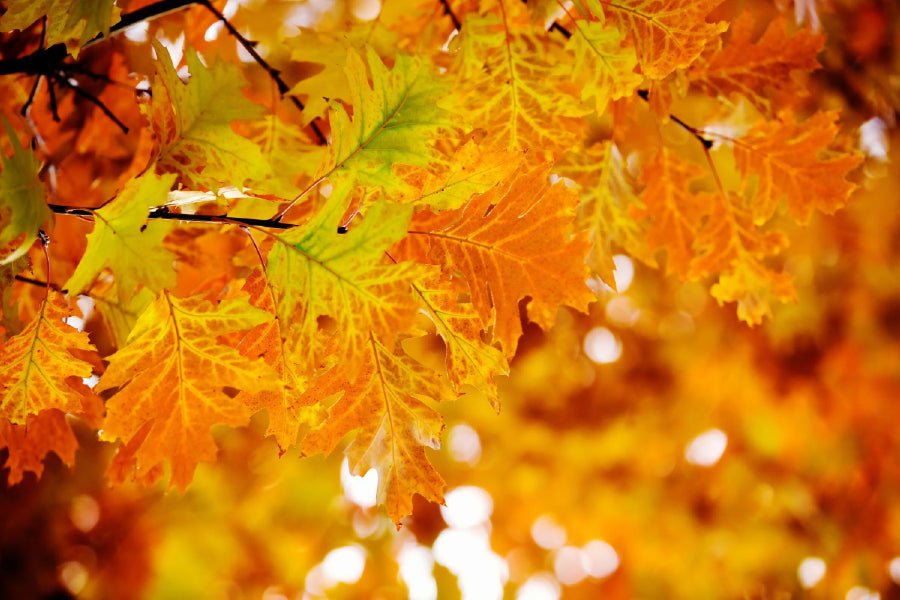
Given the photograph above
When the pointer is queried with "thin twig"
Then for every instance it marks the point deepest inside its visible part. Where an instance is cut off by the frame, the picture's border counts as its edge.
(274, 73)
(170, 216)
(449, 12)
(93, 99)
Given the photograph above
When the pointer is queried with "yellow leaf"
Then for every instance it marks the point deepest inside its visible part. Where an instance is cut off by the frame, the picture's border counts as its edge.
(471, 170)
(603, 65)
(172, 377)
(511, 242)
(123, 241)
(608, 205)
(383, 402)
(192, 123)
(469, 360)
(38, 370)
(67, 20)
(508, 83)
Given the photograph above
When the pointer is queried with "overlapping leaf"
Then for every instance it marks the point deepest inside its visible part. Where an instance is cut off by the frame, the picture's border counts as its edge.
(675, 213)
(266, 340)
(172, 377)
(508, 84)
(791, 160)
(23, 208)
(667, 34)
(603, 65)
(192, 123)
(394, 120)
(66, 19)
(27, 445)
(608, 205)
(319, 272)
(469, 360)
(511, 242)
(450, 184)
(730, 244)
(39, 369)
(383, 402)
(125, 242)
(754, 69)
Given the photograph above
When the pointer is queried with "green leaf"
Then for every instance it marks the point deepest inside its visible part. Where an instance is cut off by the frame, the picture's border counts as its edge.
(23, 207)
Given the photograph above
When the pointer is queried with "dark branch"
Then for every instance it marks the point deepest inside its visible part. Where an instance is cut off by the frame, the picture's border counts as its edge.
(707, 143)
(449, 12)
(164, 214)
(559, 28)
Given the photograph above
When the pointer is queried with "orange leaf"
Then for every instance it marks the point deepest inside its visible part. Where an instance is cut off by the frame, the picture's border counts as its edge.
(382, 402)
(511, 242)
(667, 34)
(791, 161)
(173, 374)
(45, 432)
(750, 69)
(673, 210)
(38, 369)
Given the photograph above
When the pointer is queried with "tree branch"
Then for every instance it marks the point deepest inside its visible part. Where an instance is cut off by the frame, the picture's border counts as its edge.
(449, 12)
(164, 214)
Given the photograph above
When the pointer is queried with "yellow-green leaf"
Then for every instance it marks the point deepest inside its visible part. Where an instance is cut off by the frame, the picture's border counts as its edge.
(23, 207)
(123, 241)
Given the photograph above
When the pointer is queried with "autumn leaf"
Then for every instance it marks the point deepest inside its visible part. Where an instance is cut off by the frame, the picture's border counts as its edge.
(267, 341)
(730, 244)
(28, 445)
(125, 242)
(39, 369)
(755, 69)
(319, 272)
(174, 375)
(66, 19)
(602, 64)
(469, 360)
(667, 34)
(507, 84)
(192, 123)
(449, 184)
(383, 403)
(791, 161)
(608, 206)
(393, 121)
(511, 242)
(23, 207)
(674, 211)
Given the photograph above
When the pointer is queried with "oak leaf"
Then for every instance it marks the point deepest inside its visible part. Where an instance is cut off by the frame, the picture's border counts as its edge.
(469, 360)
(674, 211)
(511, 242)
(23, 207)
(318, 272)
(667, 34)
(125, 242)
(791, 160)
(507, 83)
(383, 401)
(173, 375)
(39, 367)
(394, 120)
(192, 123)
(752, 69)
